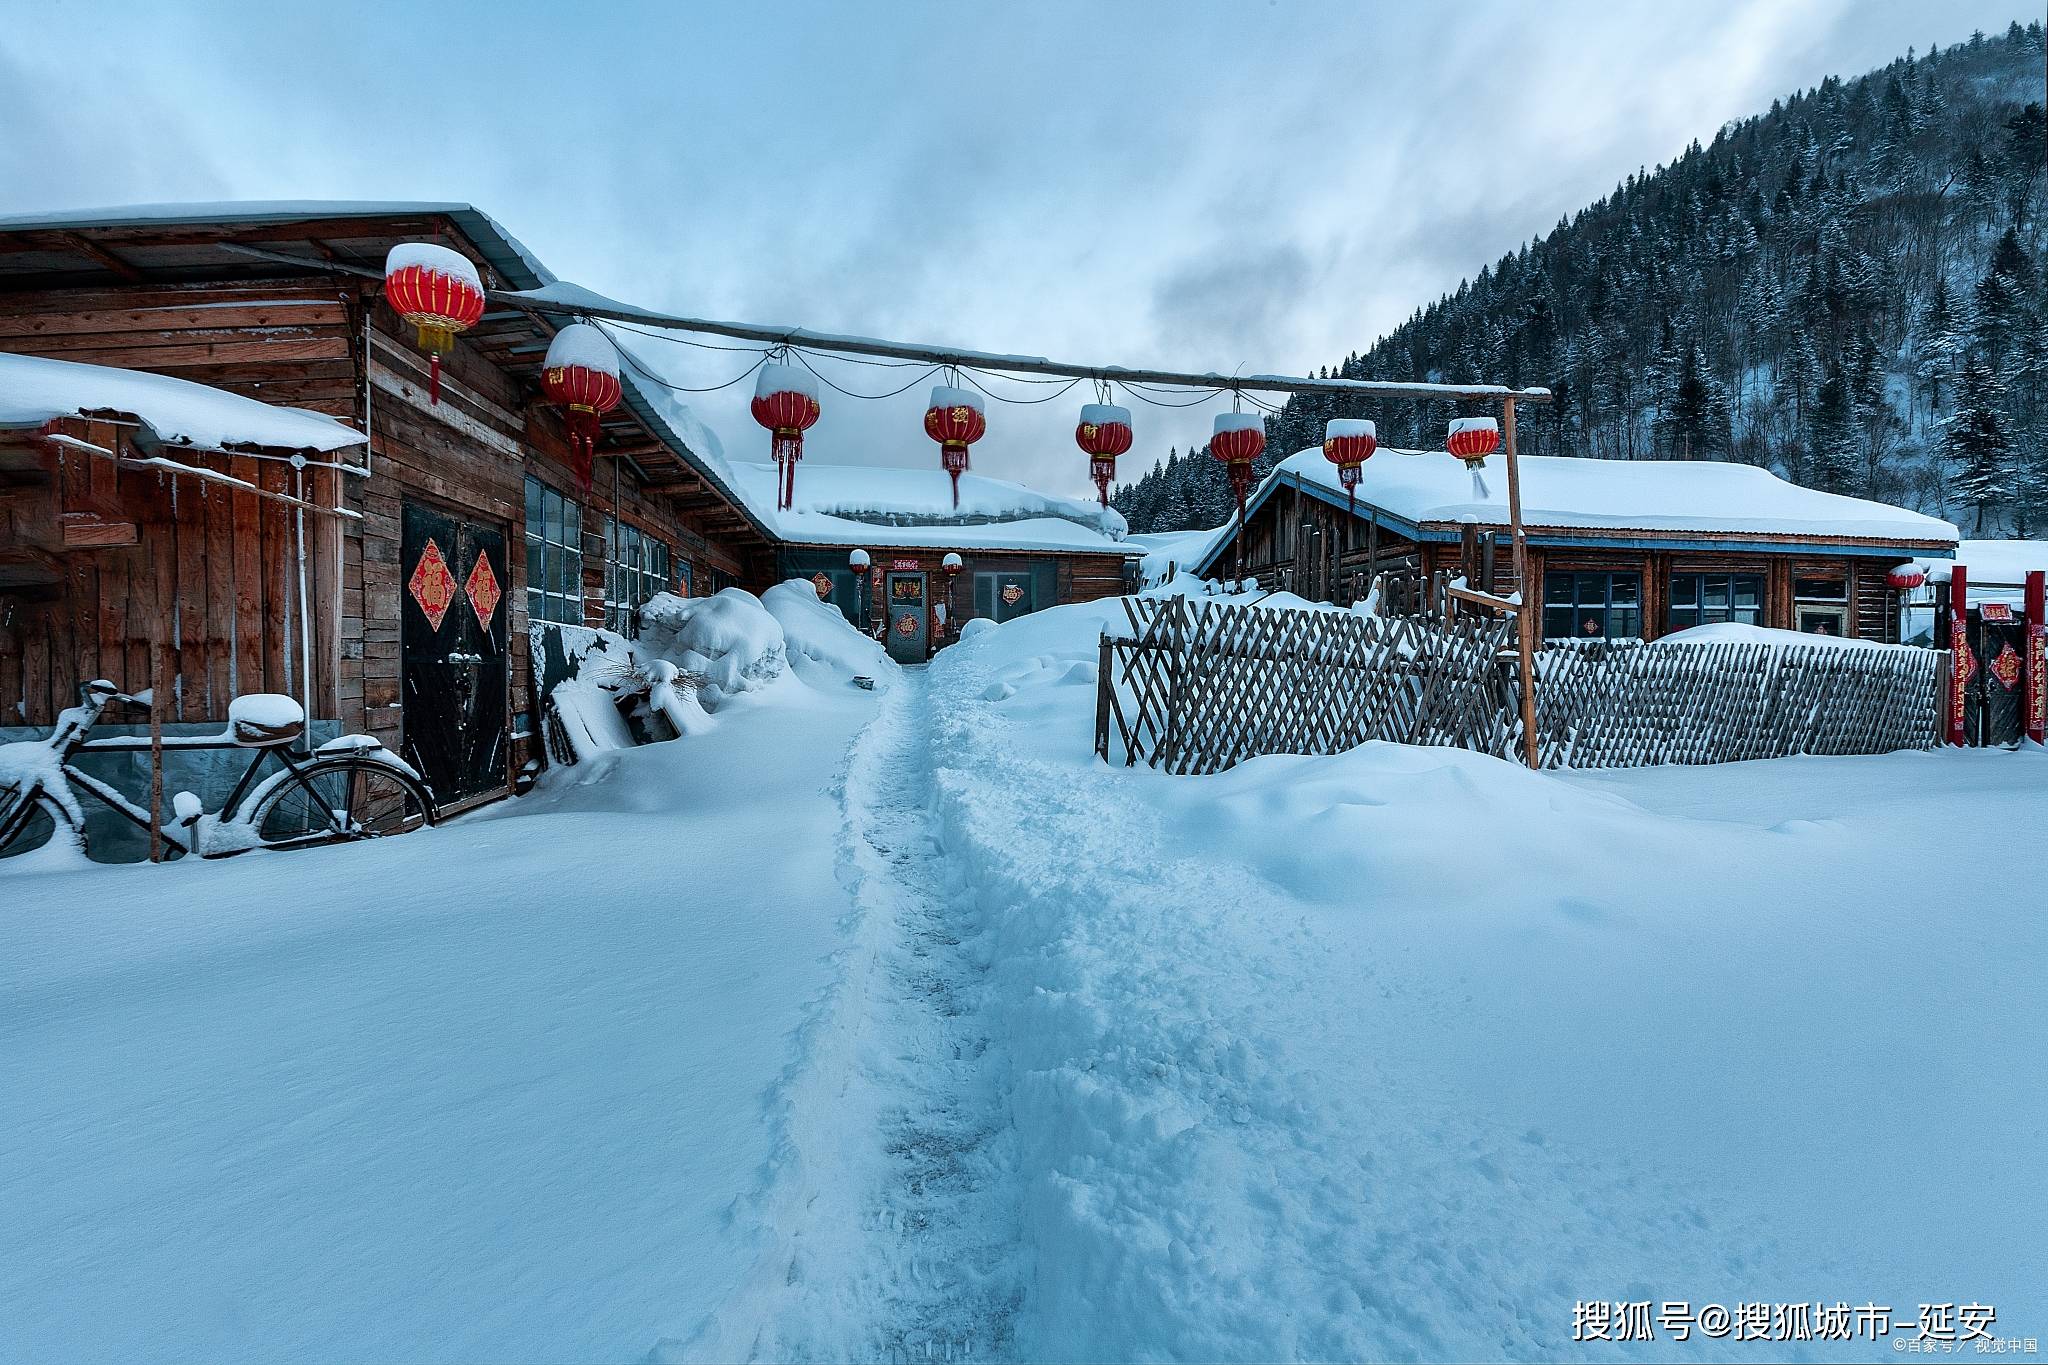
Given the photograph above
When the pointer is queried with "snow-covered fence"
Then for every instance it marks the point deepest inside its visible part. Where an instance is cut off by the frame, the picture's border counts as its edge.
(1199, 686)
(1630, 704)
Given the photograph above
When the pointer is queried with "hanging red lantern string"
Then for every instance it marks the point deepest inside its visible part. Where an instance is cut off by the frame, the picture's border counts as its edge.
(1348, 442)
(1239, 439)
(955, 420)
(1472, 439)
(582, 374)
(1906, 577)
(1104, 434)
(786, 402)
(439, 292)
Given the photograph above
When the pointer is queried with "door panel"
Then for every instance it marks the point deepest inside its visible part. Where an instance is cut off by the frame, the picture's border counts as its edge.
(453, 652)
(907, 616)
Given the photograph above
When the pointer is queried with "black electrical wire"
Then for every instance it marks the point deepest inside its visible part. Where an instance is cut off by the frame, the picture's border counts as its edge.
(805, 361)
(968, 375)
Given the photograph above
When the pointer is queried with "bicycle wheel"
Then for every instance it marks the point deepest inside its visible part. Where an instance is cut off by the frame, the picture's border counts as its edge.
(28, 826)
(338, 801)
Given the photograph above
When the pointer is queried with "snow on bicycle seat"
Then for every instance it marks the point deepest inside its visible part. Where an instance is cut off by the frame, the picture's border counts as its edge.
(259, 720)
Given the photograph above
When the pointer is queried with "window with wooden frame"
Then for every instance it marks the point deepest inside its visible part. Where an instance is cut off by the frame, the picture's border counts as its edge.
(1592, 606)
(554, 556)
(1820, 603)
(1705, 599)
(636, 568)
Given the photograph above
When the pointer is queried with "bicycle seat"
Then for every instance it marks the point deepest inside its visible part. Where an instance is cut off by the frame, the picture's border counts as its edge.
(265, 720)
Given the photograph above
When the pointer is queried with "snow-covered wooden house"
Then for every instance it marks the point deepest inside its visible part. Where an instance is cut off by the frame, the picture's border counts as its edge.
(1003, 551)
(1618, 549)
(295, 513)
(425, 553)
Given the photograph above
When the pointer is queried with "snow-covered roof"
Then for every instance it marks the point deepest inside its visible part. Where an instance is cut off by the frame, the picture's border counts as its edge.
(2004, 562)
(1692, 500)
(840, 504)
(35, 390)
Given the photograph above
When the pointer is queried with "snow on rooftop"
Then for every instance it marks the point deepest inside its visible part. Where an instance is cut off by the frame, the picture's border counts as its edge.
(2003, 562)
(839, 504)
(35, 390)
(1694, 497)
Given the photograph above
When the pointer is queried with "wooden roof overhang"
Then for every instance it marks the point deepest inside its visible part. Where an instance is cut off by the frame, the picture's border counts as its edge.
(229, 245)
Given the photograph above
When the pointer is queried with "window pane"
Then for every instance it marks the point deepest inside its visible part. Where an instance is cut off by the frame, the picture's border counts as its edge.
(1625, 623)
(1749, 591)
(1821, 589)
(1557, 589)
(1627, 587)
(1557, 622)
(533, 507)
(572, 526)
(1685, 590)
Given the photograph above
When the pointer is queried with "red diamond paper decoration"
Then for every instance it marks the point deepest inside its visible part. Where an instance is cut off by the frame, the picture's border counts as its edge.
(482, 590)
(2006, 666)
(431, 585)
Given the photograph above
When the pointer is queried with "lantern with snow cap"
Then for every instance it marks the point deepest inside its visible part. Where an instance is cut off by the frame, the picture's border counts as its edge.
(582, 374)
(786, 402)
(439, 292)
(951, 563)
(1239, 438)
(1906, 577)
(1348, 442)
(1104, 433)
(1472, 439)
(955, 420)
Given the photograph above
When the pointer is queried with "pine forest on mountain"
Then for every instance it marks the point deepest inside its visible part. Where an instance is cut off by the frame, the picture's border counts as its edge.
(1850, 290)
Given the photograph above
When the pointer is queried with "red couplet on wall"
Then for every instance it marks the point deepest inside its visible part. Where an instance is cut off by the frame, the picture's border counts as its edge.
(1961, 664)
(2037, 657)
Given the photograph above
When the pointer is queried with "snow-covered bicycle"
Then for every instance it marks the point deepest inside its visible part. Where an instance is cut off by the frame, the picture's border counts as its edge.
(348, 789)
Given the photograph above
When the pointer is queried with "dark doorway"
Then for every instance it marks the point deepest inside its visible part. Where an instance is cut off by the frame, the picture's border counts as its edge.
(456, 674)
(907, 625)
(1995, 714)
(1004, 596)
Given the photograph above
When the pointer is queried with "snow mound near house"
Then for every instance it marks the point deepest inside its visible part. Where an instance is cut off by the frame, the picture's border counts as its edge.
(1739, 633)
(730, 639)
(815, 632)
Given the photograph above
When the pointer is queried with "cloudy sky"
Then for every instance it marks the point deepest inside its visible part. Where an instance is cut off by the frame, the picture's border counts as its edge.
(1191, 185)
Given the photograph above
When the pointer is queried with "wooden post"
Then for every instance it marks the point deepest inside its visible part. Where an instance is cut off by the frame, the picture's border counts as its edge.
(1960, 663)
(1525, 619)
(156, 742)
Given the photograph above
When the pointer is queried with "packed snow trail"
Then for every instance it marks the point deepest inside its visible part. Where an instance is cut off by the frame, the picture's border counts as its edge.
(905, 1244)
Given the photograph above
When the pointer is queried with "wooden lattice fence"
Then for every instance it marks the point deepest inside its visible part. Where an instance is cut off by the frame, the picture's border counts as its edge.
(1198, 686)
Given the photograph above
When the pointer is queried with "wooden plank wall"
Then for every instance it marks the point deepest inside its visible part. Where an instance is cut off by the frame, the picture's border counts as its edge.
(213, 575)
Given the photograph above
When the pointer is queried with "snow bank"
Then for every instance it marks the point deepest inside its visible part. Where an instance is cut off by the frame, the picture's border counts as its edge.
(815, 630)
(1395, 1053)
(729, 638)
(177, 412)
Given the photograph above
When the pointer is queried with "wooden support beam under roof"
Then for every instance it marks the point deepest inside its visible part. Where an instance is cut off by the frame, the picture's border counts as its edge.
(98, 254)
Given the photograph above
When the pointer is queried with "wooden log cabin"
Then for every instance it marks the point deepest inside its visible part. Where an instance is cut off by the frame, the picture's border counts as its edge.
(1634, 549)
(426, 551)
(1013, 550)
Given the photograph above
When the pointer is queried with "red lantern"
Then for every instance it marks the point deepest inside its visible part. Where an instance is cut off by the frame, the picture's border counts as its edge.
(1472, 439)
(1348, 442)
(1104, 433)
(955, 420)
(1239, 439)
(439, 292)
(786, 402)
(1906, 577)
(582, 373)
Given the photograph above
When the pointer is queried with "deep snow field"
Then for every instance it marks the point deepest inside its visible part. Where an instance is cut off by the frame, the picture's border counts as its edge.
(896, 1026)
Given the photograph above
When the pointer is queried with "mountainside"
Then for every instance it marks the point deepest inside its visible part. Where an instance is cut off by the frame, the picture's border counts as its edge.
(1850, 289)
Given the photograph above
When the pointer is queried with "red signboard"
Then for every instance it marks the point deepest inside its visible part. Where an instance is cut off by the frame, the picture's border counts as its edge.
(905, 565)
(1960, 664)
(2037, 657)
(1995, 611)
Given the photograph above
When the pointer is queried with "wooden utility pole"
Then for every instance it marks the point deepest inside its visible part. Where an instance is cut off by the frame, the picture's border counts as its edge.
(156, 741)
(1525, 619)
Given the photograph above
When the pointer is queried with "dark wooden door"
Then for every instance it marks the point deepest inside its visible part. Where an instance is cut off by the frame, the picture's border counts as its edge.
(1995, 713)
(907, 618)
(456, 671)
